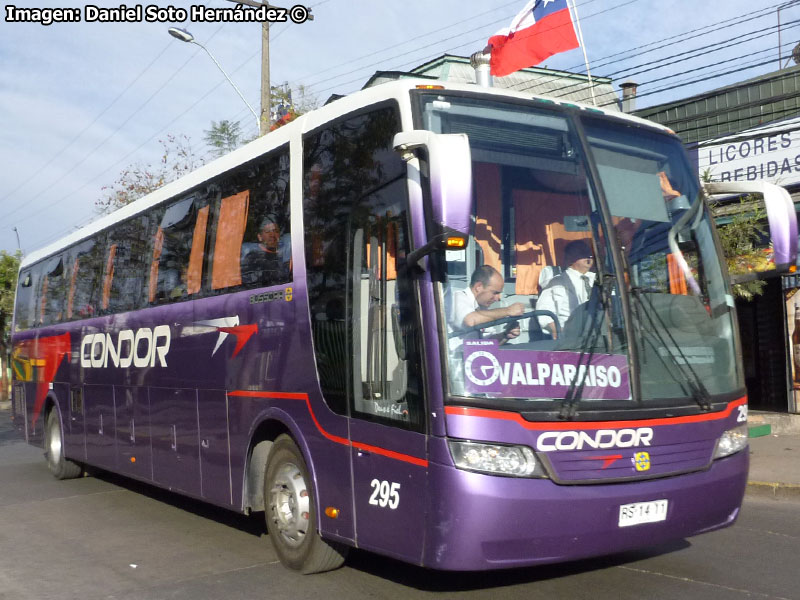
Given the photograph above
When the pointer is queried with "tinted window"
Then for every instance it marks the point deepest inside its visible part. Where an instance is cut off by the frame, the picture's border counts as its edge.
(354, 211)
(23, 310)
(178, 250)
(84, 277)
(53, 292)
(252, 242)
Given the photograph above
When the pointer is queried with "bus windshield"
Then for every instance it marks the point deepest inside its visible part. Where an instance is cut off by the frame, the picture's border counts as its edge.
(532, 311)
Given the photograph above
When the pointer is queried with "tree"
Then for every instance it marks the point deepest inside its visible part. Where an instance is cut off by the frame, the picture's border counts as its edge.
(223, 137)
(741, 240)
(137, 180)
(287, 106)
(9, 268)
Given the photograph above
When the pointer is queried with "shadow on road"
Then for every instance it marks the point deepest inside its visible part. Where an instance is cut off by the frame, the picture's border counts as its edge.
(366, 562)
(253, 524)
(8, 434)
(442, 581)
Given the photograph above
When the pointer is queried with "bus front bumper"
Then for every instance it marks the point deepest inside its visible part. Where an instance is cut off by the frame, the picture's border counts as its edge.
(481, 522)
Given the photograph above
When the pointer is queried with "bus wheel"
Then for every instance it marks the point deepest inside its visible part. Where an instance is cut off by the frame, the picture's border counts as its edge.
(60, 467)
(292, 515)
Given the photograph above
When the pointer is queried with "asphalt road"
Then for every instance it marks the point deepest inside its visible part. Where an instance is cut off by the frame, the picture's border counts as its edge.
(105, 537)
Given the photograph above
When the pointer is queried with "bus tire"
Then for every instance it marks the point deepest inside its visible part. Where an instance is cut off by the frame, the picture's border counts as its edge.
(292, 515)
(60, 466)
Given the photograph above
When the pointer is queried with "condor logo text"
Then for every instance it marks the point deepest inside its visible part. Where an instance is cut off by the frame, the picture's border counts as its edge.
(144, 347)
(602, 438)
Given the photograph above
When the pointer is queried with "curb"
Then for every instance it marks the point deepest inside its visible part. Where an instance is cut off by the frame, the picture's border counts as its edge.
(777, 491)
(779, 423)
(759, 430)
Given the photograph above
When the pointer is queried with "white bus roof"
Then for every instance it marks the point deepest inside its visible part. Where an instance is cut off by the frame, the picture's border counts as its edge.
(294, 129)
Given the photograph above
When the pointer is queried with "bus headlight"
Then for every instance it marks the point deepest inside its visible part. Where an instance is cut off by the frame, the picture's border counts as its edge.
(731, 442)
(496, 459)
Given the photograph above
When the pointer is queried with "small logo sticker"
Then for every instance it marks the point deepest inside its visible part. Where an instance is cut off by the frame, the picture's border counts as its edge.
(642, 461)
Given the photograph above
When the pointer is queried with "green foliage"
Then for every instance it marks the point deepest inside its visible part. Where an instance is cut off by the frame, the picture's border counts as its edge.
(136, 181)
(223, 137)
(288, 105)
(299, 101)
(9, 268)
(740, 238)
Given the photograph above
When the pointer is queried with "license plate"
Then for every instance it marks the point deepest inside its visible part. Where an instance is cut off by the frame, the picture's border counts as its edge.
(642, 512)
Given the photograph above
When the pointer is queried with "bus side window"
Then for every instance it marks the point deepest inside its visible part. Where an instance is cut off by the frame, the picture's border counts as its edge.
(24, 301)
(53, 292)
(85, 279)
(266, 253)
(108, 276)
(125, 268)
(175, 265)
(231, 222)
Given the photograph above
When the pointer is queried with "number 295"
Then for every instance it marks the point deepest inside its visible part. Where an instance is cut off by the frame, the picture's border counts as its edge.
(385, 494)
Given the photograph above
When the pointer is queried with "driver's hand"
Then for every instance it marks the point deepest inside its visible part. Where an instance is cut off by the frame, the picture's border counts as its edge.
(512, 333)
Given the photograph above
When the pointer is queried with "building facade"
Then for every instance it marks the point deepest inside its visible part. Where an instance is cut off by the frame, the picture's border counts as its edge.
(750, 131)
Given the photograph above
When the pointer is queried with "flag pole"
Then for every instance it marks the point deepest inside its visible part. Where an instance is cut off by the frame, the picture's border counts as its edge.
(583, 47)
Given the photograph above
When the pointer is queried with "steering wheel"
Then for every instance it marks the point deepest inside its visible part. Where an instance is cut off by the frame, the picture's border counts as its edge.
(533, 313)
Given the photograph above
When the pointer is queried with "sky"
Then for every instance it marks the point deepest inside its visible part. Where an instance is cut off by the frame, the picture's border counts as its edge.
(80, 102)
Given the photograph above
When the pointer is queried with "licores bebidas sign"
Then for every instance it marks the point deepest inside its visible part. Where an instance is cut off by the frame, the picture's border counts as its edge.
(770, 153)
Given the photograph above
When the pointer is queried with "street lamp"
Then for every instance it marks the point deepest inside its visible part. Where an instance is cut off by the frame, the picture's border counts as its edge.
(185, 36)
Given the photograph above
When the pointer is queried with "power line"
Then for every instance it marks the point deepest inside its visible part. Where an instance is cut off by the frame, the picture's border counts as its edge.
(128, 120)
(406, 42)
(429, 56)
(680, 38)
(58, 153)
(726, 110)
(700, 31)
(612, 8)
(681, 83)
(98, 146)
(714, 47)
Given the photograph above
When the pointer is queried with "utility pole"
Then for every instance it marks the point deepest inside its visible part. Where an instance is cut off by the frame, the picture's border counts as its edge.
(266, 89)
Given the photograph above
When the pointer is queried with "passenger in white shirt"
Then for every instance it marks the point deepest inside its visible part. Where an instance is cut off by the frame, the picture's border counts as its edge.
(567, 291)
(470, 306)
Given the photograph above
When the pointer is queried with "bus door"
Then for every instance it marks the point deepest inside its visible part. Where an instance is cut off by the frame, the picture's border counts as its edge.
(387, 415)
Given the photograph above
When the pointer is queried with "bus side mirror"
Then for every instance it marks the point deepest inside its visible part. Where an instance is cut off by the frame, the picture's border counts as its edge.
(450, 177)
(781, 216)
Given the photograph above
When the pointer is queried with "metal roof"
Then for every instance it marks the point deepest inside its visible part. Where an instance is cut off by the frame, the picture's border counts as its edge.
(538, 81)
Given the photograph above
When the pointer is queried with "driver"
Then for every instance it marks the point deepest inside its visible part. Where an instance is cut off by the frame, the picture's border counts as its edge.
(568, 291)
(470, 306)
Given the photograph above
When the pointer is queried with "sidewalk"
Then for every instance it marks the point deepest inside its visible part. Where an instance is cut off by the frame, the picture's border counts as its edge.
(774, 455)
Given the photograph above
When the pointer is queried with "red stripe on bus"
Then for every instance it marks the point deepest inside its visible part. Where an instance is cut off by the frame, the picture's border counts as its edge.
(463, 411)
(421, 462)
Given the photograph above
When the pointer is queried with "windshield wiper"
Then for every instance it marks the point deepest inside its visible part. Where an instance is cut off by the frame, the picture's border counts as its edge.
(698, 390)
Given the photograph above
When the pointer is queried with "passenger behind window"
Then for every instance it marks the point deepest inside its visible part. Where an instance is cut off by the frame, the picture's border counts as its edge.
(178, 290)
(265, 262)
(567, 291)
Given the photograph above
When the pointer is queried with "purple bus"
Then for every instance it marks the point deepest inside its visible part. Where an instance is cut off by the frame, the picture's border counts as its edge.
(279, 331)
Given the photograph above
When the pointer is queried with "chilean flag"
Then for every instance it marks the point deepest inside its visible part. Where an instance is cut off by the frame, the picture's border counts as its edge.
(541, 29)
